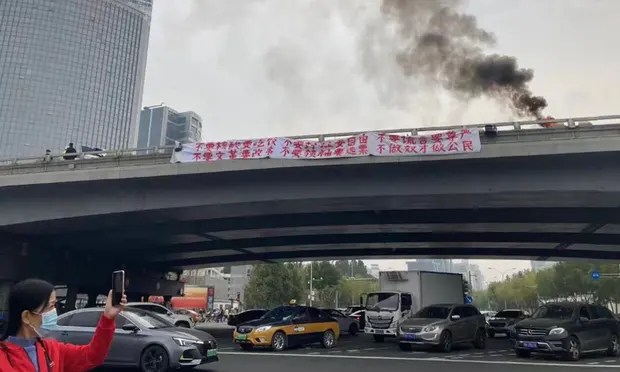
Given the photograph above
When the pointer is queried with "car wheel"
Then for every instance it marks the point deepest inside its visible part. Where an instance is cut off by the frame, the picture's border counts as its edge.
(404, 347)
(480, 339)
(246, 347)
(278, 341)
(574, 349)
(154, 359)
(614, 347)
(522, 353)
(491, 333)
(329, 339)
(183, 325)
(378, 338)
(353, 329)
(445, 342)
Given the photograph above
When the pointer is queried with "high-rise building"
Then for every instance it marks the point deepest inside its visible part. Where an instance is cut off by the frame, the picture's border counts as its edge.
(438, 265)
(541, 265)
(374, 270)
(71, 71)
(162, 126)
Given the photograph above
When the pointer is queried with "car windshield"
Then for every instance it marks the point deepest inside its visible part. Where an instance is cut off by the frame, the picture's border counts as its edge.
(382, 301)
(508, 314)
(553, 312)
(282, 313)
(147, 320)
(434, 312)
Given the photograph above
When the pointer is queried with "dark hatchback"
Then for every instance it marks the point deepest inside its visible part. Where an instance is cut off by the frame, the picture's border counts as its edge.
(568, 330)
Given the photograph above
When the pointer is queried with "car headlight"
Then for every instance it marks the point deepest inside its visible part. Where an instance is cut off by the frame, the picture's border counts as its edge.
(432, 328)
(556, 331)
(186, 342)
(263, 329)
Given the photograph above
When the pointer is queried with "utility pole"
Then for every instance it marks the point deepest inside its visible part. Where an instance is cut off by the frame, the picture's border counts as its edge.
(311, 280)
(336, 299)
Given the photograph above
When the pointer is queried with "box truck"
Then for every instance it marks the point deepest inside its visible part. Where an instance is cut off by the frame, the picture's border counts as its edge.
(403, 293)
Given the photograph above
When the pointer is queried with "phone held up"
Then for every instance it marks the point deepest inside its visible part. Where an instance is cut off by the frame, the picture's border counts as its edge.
(118, 286)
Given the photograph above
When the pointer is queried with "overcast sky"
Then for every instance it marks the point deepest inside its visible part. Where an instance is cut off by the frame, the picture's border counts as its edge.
(254, 68)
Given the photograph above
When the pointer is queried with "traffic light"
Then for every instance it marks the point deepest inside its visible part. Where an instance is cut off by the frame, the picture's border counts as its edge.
(466, 287)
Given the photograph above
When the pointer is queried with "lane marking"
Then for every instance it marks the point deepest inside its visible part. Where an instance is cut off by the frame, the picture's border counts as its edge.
(434, 359)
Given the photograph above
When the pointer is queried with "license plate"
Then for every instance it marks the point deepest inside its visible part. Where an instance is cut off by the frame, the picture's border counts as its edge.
(242, 337)
(409, 337)
(211, 353)
(379, 332)
(530, 345)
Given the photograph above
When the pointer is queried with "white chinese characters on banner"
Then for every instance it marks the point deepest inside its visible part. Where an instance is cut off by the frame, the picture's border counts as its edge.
(364, 144)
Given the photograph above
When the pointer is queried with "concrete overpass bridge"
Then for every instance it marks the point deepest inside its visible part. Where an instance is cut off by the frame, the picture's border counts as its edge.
(530, 193)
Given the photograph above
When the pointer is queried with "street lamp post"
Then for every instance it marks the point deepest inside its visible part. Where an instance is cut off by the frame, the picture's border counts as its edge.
(311, 282)
(503, 273)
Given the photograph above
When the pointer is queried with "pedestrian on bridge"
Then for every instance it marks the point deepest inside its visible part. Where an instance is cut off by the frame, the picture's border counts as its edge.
(32, 310)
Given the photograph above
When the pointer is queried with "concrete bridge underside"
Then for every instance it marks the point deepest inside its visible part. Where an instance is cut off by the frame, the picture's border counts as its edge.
(531, 207)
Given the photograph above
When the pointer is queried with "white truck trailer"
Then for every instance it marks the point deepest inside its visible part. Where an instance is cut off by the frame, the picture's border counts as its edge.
(403, 293)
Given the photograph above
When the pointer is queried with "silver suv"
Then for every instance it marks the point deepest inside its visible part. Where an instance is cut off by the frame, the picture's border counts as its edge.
(178, 320)
(442, 326)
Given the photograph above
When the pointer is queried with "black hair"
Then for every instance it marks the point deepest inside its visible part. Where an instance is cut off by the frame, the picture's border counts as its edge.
(29, 294)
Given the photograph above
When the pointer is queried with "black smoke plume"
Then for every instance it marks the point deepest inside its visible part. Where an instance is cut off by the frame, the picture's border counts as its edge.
(440, 43)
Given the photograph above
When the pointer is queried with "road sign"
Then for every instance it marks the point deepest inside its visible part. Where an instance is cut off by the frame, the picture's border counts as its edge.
(596, 275)
(469, 299)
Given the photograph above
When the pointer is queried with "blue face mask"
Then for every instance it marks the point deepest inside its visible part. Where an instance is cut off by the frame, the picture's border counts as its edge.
(50, 320)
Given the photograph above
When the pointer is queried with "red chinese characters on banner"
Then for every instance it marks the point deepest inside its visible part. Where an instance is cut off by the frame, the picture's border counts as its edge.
(232, 150)
(453, 141)
(395, 145)
(337, 148)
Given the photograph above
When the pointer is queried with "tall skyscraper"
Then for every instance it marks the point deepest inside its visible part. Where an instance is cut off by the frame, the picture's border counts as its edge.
(541, 265)
(71, 71)
(162, 126)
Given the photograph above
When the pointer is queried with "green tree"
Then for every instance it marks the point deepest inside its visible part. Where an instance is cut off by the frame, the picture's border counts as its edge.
(350, 290)
(324, 273)
(355, 268)
(271, 285)
(566, 281)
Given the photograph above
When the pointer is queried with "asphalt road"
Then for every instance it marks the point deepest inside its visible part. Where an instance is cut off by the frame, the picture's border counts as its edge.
(354, 354)
(361, 352)
(307, 363)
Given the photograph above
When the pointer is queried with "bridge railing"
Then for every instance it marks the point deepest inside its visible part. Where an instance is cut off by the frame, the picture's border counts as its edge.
(516, 130)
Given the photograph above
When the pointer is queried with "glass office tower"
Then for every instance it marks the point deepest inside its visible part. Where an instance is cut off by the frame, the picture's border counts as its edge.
(71, 71)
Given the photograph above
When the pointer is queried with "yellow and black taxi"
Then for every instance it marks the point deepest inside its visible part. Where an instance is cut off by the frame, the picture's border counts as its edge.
(287, 326)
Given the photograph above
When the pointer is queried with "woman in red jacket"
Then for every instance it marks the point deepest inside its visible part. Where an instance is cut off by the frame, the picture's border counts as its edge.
(32, 307)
